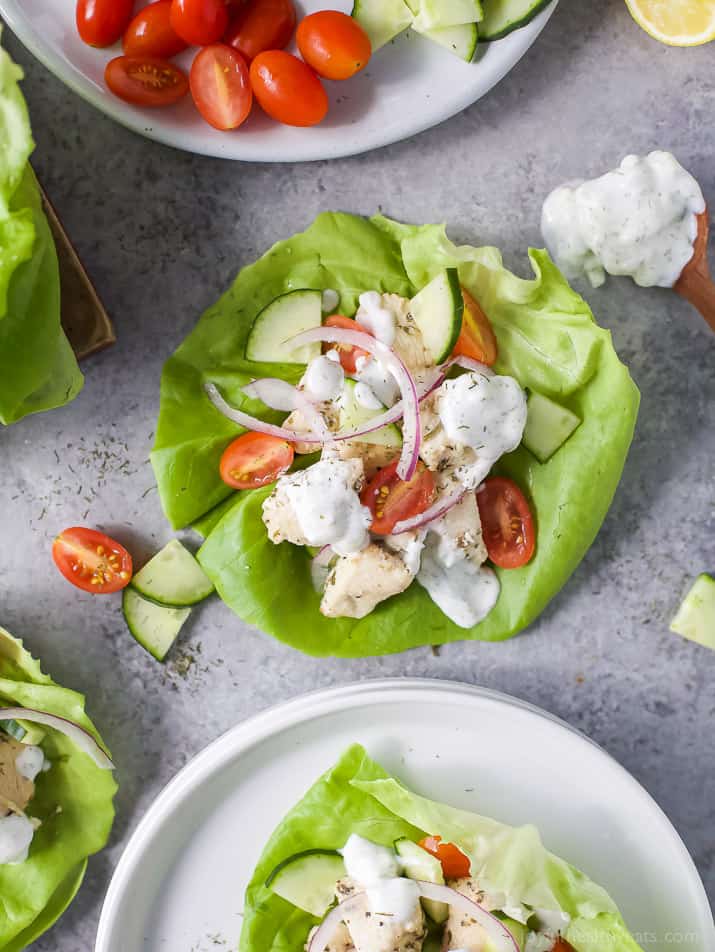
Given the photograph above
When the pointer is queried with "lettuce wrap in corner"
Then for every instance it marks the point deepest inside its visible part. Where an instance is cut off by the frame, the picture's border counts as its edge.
(56, 792)
(38, 370)
(548, 345)
(412, 874)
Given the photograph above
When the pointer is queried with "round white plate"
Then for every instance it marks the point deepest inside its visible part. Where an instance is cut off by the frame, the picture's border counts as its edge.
(409, 86)
(180, 883)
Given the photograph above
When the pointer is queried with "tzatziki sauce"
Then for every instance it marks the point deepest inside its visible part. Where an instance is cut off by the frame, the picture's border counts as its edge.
(30, 763)
(485, 413)
(375, 318)
(638, 220)
(16, 833)
(466, 593)
(397, 898)
(324, 379)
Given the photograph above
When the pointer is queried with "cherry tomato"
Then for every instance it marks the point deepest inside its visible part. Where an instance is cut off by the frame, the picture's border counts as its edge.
(150, 33)
(348, 355)
(92, 561)
(287, 89)
(199, 22)
(561, 945)
(334, 44)
(221, 86)
(455, 865)
(262, 25)
(255, 459)
(146, 80)
(102, 22)
(507, 523)
(391, 499)
(476, 339)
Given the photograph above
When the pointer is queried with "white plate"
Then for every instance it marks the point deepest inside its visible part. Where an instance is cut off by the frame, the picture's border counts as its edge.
(409, 86)
(180, 882)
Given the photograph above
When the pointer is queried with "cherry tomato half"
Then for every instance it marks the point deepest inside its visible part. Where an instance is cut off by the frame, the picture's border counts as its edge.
(561, 945)
(476, 339)
(391, 499)
(262, 25)
(199, 22)
(146, 80)
(102, 22)
(255, 459)
(455, 865)
(348, 355)
(221, 86)
(92, 561)
(150, 33)
(334, 44)
(287, 89)
(507, 523)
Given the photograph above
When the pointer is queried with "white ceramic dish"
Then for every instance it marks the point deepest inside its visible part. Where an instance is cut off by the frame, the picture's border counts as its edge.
(180, 883)
(410, 86)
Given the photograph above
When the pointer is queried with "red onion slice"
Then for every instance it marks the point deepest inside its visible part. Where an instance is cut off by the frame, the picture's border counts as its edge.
(411, 430)
(327, 928)
(249, 422)
(435, 511)
(280, 395)
(82, 738)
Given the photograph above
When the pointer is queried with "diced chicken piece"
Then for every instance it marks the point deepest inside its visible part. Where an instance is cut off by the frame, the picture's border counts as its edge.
(16, 791)
(373, 455)
(408, 343)
(371, 932)
(408, 545)
(359, 582)
(460, 533)
(297, 421)
(340, 942)
(460, 930)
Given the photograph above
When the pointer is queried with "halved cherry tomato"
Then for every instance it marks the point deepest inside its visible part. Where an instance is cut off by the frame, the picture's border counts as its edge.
(146, 80)
(334, 44)
(390, 499)
(476, 339)
(151, 34)
(348, 355)
(199, 22)
(221, 86)
(287, 89)
(507, 523)
(262, 25)
(455, 865)
(255, 459)
(561, 945)
(92, 561)
(102, 22)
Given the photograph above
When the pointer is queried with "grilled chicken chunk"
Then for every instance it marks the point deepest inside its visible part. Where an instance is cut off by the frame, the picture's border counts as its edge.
(461, 931)
(373, 455)
(372, 932)
(15, 790)
(359, 582)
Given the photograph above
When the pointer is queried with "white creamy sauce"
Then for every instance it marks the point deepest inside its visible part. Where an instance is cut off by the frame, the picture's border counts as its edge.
(30, 763)
(324, 379)
(367, 862)
(638, 220)
(375, 318)
(552, 921)
(16, 833)
(487, 414)
(371, 372)
(466, 593)
(409, 546)
(538, 942)
(326, 506)
(330, 301)
(397, 898)
(365, 397)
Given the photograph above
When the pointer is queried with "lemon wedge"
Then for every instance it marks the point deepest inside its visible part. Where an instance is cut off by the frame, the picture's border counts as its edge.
(676, 22)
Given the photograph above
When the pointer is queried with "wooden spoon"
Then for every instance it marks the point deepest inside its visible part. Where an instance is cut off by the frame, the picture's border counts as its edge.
(695, 283)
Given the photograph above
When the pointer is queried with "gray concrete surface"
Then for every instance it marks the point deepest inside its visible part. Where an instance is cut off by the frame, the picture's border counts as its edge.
(163, 233)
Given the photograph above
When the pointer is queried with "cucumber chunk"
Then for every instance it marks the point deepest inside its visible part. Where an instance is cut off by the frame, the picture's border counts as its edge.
(437, 310)
(173, 578)
(382, 20)
(502, 17)
(280, 320)
(307, 880)
(419, 864)
(437, 14)
(353, 415)
(517, 929)
(461, 40)
(14, 729)
(155, 627)
(696, 616)
(548, 426)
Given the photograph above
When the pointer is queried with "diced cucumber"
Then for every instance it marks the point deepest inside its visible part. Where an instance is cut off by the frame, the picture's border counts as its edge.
(696, 616)
(438, 14)
(382, 20)
(352, 415)
(308, 880)
(173, 578)
(155, 627)
(461, 40)
(437, 310)
(548, 426)
(282, 319)
(13, 729)
(34, 734)
(502, 17)
(419, 864)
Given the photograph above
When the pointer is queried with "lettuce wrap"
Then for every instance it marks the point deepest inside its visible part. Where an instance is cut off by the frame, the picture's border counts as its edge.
(357, 797)
(73, 800)
(37, 367)
(548, 340)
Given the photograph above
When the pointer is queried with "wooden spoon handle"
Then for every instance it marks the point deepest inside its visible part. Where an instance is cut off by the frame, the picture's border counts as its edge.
(695, 283)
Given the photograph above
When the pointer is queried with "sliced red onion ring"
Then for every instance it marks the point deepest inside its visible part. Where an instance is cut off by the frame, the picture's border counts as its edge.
(253, 423)
(82, 738)
(327, 928)
(280, 395)
(435, 511)
(320, 567)
(411, 430)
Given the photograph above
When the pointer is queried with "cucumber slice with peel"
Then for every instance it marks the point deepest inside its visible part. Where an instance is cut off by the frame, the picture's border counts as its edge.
(352, 415)
(155, 627)
(437, 310)
(696, 616)
(13, 729)
(548, 426)
(461, 40)
(308, 879)
(382, 20)
(419, 864)
(502, 17)
(173, 578)
(282, 319)
(437, 14)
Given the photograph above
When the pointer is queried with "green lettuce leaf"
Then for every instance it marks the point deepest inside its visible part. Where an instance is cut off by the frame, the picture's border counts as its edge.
(548, 340)
(358, 796)
(37, 366)
(73, 800)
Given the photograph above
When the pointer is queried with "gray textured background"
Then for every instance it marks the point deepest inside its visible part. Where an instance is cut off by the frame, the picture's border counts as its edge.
(163, 233)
